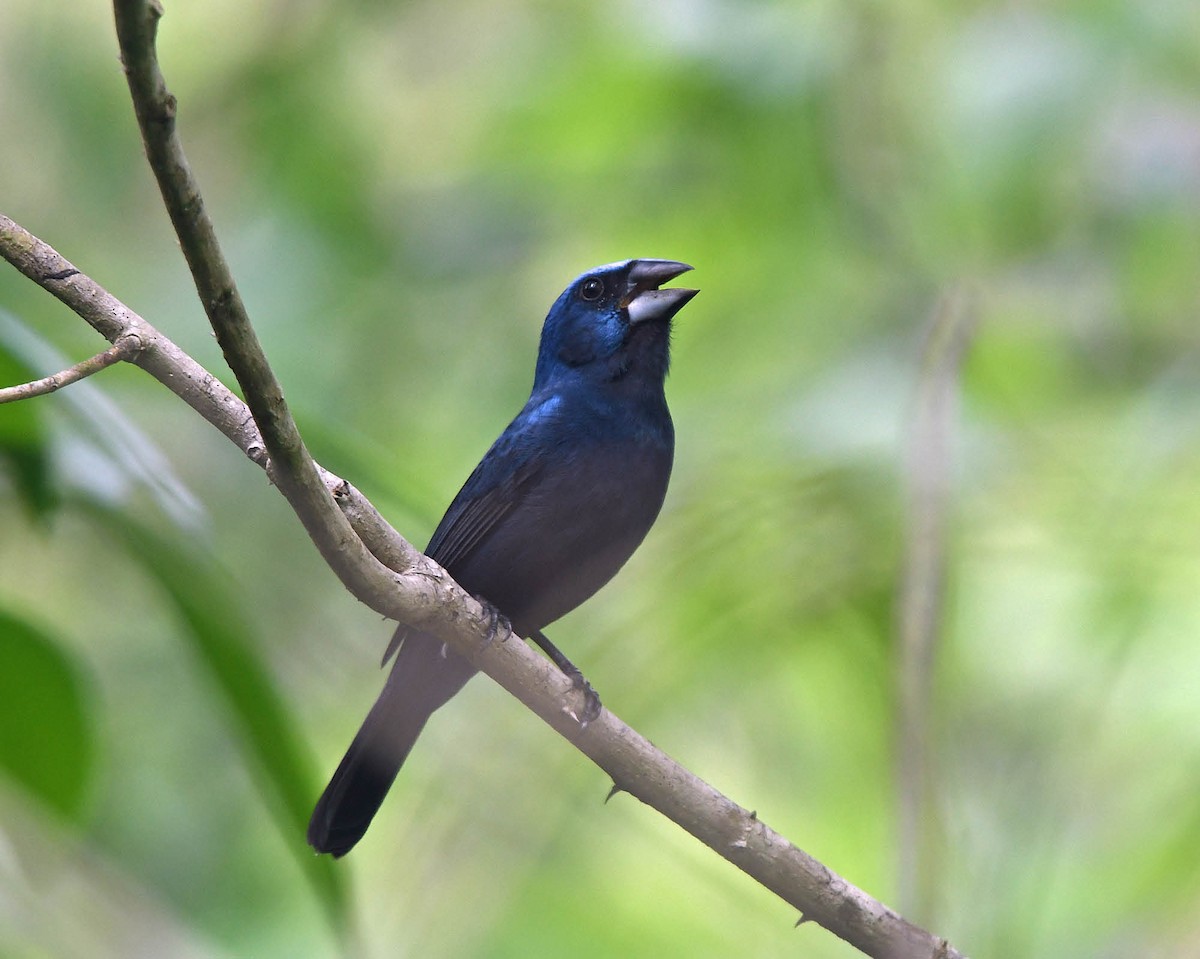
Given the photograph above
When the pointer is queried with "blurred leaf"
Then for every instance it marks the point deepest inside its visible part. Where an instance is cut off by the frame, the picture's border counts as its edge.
(1166, 877)
(46, 739)
(101, 451)
(23, 439)
(224, 643)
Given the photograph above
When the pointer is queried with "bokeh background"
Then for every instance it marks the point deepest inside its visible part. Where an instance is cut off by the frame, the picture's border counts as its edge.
(403, 189)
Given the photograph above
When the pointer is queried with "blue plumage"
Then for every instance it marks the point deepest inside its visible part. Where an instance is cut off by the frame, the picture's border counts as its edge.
(552, 511)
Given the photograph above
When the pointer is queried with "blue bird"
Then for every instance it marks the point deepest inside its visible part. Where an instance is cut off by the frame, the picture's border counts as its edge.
(554, 509)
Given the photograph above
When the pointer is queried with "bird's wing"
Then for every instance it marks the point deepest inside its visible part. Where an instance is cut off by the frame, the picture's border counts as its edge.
(490, 494)
(497, 486)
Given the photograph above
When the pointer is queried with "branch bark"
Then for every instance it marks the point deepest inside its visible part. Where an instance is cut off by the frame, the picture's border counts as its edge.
(295, 473)
(384, 571)
(123, 349)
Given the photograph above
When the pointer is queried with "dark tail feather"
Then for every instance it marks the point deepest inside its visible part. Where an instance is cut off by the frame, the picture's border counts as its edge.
(422, 679)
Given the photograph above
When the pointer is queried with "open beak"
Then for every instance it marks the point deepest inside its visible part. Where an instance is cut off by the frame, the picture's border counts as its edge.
(644, 301)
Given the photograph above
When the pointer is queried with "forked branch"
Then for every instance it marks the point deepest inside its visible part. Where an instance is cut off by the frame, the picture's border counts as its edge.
(387, 573)
(124, 349)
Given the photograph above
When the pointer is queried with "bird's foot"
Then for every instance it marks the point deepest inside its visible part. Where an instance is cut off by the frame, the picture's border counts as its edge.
(591, 699)
(498, 623)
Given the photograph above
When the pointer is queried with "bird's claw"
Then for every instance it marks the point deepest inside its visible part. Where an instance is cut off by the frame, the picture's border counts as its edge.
(498, 623)
(591, 700)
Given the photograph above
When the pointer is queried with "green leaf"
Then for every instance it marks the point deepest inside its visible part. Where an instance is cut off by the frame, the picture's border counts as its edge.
(47, 742)
(224, 643)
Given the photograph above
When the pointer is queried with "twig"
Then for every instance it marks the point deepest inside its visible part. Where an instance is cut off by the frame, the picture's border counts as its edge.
(125, 348)
(920, 600)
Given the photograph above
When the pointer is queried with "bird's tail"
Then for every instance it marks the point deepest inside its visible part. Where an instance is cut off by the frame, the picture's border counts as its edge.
(423, 678)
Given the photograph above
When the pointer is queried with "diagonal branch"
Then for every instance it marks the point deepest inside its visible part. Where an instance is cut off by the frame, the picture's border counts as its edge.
(294, 473)
(427, 598)
(125, 348)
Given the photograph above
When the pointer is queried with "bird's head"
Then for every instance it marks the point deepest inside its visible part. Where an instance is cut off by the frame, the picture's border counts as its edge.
(612, 322)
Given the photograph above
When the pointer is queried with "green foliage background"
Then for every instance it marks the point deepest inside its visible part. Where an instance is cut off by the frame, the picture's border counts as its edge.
(403, 190)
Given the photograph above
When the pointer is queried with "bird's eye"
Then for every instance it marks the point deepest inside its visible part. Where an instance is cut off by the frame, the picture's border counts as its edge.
(592, 289)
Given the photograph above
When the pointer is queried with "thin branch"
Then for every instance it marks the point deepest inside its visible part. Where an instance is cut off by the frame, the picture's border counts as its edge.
(125, 348)
(295, 473)
(920, 599)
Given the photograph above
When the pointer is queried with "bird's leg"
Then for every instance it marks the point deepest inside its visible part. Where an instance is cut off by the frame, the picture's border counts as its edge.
(591, 700)
(497, 622)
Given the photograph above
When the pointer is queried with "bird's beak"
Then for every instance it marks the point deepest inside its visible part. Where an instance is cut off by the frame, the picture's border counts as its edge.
(644, 301)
